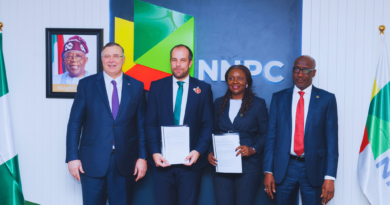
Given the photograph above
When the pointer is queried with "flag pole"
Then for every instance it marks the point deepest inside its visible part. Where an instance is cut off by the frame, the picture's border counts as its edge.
(382, 28)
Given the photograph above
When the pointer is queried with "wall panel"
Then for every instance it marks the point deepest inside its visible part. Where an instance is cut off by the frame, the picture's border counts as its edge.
(39, 124)
(346, 56)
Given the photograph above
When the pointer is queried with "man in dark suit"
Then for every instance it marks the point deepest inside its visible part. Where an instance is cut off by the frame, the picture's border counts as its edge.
(179, 100)
(301, 149)
(109, 111)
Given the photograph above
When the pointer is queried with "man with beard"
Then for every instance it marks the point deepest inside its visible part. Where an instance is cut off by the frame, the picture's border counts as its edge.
(74, 58)
(179, 100)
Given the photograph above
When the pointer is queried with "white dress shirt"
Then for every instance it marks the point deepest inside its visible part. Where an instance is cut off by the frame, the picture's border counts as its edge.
(186, 85)
(234, 107)
(110, 89)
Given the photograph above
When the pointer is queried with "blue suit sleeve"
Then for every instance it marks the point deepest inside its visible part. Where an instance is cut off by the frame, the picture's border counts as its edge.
(142, 152)
(332, 138)
(262, 120)
(151, 122)
(216, 130)
(76, 122)
(204, 140)
(270, 142)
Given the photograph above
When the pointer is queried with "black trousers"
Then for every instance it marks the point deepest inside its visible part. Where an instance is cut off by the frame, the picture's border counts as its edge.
(236, 189)
(177, 185)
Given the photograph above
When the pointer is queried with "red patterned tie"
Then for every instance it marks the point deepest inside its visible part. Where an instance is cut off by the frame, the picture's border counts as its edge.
(299, 126)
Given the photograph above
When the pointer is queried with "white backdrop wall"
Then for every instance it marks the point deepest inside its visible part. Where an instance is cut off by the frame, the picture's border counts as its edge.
(342, 35)
(39, 124)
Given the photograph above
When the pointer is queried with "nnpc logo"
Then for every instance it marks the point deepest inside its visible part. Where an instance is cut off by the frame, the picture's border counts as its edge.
(155, 31)
(214, 68)
(149, 39)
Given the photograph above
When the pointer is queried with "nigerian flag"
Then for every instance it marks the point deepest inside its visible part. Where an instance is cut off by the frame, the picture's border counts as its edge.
(373, 165)
(10, 185)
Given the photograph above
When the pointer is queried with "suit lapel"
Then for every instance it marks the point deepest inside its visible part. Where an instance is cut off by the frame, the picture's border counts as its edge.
(288, 106)
(312, 107)
(127, 93)
(167, 93)
(101, 87)
(191, 97)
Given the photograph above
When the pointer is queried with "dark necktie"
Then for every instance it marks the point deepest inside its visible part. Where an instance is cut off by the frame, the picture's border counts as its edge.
(299, 126)
(114, 100)
(179, 96)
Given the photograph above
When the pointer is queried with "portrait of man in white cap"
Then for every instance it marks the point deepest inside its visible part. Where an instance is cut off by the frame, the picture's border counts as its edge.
(75, 59)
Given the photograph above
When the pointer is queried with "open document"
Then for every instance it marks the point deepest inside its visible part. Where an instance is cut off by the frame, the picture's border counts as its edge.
(175, 142)
(225, 151)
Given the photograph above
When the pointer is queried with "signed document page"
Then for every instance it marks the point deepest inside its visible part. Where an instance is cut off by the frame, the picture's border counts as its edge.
(175, 143)
(225, 151)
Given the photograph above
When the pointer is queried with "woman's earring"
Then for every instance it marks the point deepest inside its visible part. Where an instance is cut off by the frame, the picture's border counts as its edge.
(246, 86)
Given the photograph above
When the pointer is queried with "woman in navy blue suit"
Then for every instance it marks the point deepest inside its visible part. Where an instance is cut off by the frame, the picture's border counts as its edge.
(240, 111)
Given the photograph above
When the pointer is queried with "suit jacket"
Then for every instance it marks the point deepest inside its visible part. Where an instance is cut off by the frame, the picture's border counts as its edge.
(198, 116)
(252, 129)
(320, 137)
(91, 114)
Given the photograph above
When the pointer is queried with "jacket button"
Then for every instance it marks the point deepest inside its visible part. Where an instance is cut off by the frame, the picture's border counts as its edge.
(114, 126)
(111, 142)
(288, 153)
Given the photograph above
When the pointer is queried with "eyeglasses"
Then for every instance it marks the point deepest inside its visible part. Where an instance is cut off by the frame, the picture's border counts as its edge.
(115, 57)
(76, 57)
(305, 71)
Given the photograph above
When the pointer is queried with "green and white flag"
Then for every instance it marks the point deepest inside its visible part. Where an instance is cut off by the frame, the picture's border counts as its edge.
(10, 184)
(373, 165)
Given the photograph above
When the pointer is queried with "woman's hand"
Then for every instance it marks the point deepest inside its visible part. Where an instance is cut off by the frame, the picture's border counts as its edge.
(245, 151)
(212, 159)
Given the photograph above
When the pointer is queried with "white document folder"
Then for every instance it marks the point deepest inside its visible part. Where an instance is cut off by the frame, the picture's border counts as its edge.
(225, 151)
(175, 143)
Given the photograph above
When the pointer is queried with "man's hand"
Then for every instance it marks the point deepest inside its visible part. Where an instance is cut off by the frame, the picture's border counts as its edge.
(193, 157)
(269, 184)
(159, 159)
(212, 159)
(140, 168)
(75, 167)
(327, 191)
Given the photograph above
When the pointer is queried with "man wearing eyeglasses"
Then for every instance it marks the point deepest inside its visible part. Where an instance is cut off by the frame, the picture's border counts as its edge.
(75, 59)
(108, 113)
(301, 151)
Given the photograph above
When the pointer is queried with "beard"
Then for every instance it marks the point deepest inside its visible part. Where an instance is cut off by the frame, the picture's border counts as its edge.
(182, 74)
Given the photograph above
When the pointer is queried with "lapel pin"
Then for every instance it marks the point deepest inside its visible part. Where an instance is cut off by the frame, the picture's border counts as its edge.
(241, 114)
(317, 96)
(197, 90)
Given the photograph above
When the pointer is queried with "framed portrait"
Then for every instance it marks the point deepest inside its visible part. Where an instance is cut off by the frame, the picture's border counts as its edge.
(71, 55)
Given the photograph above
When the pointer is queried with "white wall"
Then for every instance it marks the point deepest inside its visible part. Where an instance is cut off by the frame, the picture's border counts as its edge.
(39, 124)
(343, 36)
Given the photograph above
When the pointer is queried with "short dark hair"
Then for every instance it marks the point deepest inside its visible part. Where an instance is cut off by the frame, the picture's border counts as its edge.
(111, 44)
(189, 50)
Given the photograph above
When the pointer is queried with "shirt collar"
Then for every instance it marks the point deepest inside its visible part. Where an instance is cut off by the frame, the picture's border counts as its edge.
(108, 78)
(186, 80)
(307, 90)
